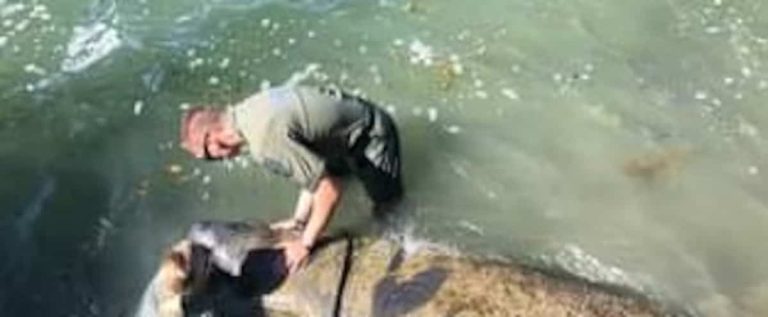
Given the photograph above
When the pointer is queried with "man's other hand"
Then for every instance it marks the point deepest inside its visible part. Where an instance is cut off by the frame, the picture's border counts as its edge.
(287, 224)
(296, 255)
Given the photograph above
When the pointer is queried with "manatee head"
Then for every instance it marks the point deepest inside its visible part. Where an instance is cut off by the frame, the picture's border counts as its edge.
(163, 295)
(217, 262)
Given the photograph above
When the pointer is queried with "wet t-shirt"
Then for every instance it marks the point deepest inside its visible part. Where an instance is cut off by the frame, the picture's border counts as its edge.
(296, 131)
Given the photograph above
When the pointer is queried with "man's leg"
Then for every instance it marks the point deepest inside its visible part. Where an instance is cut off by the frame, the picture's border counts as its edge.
(379, 164)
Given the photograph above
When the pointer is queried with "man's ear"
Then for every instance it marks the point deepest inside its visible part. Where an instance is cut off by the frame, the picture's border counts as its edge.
(229, 135)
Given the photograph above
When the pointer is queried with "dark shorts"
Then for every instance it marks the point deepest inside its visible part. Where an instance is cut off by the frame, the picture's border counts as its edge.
(375, 157)
(378, 163)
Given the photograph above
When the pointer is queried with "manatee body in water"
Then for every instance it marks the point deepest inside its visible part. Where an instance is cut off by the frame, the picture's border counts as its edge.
(370, 277)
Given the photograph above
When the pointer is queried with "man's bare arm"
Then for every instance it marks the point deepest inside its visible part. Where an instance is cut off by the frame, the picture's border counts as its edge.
(303, 207)
(324, 201)
(300, 213)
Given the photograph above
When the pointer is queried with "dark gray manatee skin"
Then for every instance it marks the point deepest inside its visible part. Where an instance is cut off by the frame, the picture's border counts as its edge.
(230, 242)
(382, 281)
(231, 264)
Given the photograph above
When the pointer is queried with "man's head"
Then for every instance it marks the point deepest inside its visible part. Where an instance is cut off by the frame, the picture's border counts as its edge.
(208, 133)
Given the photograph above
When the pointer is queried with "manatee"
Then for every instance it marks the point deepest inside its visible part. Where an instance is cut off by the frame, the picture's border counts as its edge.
(220, 266)
(368, 276)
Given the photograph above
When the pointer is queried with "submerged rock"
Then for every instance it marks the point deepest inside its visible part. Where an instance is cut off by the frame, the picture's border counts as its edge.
(383, 281)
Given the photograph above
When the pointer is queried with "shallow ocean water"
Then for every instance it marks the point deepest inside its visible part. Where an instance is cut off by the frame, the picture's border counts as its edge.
(622, 142)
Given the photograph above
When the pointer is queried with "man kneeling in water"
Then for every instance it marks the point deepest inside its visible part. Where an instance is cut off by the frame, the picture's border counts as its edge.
(312, 136)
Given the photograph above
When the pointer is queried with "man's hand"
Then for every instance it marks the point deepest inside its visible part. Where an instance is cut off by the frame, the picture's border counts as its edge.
(296, 255)
(288, 224)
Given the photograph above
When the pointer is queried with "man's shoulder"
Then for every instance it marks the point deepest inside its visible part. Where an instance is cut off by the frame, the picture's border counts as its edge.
(274, 96)
(253, 100)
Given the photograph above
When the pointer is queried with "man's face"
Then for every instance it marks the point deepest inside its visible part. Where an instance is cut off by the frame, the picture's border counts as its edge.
(217, 145)
(206, 136)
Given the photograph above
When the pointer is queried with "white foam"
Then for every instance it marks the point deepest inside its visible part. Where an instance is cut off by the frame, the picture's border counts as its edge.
(183, 18)
(421, 53)
(453, 129)
(224, 63)
(747, 129)
(510, 93)
(40, 12)
(432, 114)
(471, 227)
(137, 107)
(34, 69)
(577, 261)
(88, 45)
(746, 72)
(22, 25)
(456, 65)
(11, 9)
(197, 62)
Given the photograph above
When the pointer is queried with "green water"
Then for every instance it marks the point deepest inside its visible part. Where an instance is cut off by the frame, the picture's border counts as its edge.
(622, 141)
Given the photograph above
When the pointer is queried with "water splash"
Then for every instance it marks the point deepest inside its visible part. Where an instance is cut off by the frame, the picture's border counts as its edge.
(574, 260)
(88, 45)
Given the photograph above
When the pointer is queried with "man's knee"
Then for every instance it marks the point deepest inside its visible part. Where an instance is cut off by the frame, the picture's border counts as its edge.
(386, 196)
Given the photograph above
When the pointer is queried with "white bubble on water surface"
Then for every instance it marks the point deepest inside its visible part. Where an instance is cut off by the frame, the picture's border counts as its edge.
(510, 93)
(138, 106)
(432, 114)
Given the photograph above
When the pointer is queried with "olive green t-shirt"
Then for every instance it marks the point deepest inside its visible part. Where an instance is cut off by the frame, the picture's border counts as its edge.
(295, 131)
